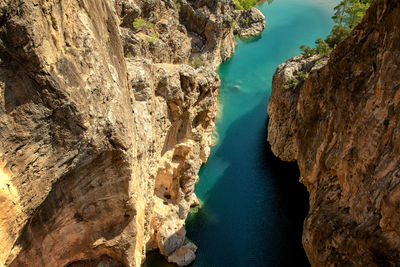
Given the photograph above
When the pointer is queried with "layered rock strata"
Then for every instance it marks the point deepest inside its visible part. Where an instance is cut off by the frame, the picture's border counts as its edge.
(342, 126)
(104, 125)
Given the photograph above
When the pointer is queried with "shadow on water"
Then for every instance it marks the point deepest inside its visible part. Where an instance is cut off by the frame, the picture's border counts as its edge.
(253, 215)
(155, 259)
(293, 201)
(254, 206)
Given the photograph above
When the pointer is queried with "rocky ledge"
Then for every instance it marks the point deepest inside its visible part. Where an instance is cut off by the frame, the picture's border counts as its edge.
(106, 115)
(342, 126)
(249, 22)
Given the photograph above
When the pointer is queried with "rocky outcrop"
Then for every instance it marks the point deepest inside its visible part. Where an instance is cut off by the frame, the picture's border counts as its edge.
(344, 121)
(186, 31)
(249, 23)
(104, 125)
(287, 82)
(184, 255)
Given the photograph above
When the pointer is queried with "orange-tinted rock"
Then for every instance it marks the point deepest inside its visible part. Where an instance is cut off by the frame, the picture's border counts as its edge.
(346, 125)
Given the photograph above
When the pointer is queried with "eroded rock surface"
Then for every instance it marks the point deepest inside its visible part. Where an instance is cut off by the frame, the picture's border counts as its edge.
(343, 127)
(282, 108)
(249, 23)
(184, 255)
(104, 125)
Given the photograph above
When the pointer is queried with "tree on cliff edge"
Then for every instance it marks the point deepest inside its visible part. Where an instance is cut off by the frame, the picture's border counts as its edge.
(348, 14)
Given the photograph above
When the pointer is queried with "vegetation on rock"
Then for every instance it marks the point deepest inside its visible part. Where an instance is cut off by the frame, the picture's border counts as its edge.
(152, 38)
(295, 81)
(141, 24)
(196, 62)
(177, 5)
(348, 13)
(342, 128)
(247, 4)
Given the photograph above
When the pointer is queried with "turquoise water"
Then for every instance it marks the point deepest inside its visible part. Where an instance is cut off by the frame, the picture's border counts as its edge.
(254, 206)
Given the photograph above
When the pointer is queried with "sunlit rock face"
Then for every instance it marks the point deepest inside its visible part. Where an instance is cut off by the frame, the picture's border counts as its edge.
(106, 115)
(343, 131)
(282, 106)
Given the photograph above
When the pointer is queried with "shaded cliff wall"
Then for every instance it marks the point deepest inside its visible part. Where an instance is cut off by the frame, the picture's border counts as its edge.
(103, 126)
(342, 127)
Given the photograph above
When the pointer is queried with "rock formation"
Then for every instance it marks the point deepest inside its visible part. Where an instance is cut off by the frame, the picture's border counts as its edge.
(287, 82)
(104, 126)
(342, 126)
(249, 22)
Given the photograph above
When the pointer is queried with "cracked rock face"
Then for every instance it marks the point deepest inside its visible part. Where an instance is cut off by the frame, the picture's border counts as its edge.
(250, 22)
(342, 126)
(104, 126)
(284, 98)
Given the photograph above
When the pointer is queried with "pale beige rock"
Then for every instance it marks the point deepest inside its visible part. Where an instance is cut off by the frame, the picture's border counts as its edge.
(195, 202)
(249, 22)
(103, 127)
(185, 255)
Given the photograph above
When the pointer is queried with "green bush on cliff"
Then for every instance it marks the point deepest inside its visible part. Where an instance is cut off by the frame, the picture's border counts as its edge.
(291, 83)
(322, 47)
(177, 5)
(348, 14)
(152, 38)
(296, 80)
(247, 4)
(196, 62)
(307, 51)
(141, 24)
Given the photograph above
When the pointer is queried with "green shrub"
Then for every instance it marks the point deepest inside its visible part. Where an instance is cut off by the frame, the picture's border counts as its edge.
(322, 47)
(307, 51)
(234, 24)
(152, 38)
(196, 62)
(302, 76)
(177, 5)
(297, 80)
(338, 34)
(141, 24)
(239, 5)
(291, 83)
(247, 21)
(246, 4)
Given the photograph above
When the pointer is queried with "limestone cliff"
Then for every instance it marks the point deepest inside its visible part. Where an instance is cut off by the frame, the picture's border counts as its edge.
(342, 126)
(104, 126)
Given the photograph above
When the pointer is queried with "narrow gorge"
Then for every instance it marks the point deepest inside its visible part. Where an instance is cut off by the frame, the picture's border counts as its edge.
(136, 133)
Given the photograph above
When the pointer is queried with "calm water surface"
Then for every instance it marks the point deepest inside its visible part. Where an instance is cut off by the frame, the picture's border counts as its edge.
(253, 205)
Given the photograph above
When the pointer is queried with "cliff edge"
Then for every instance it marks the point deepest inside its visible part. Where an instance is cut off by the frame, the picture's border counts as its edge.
(106, 114)
(341, 123)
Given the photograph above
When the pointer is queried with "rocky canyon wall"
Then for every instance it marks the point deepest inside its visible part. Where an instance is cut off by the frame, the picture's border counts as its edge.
(342, 125)
(104, 125)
